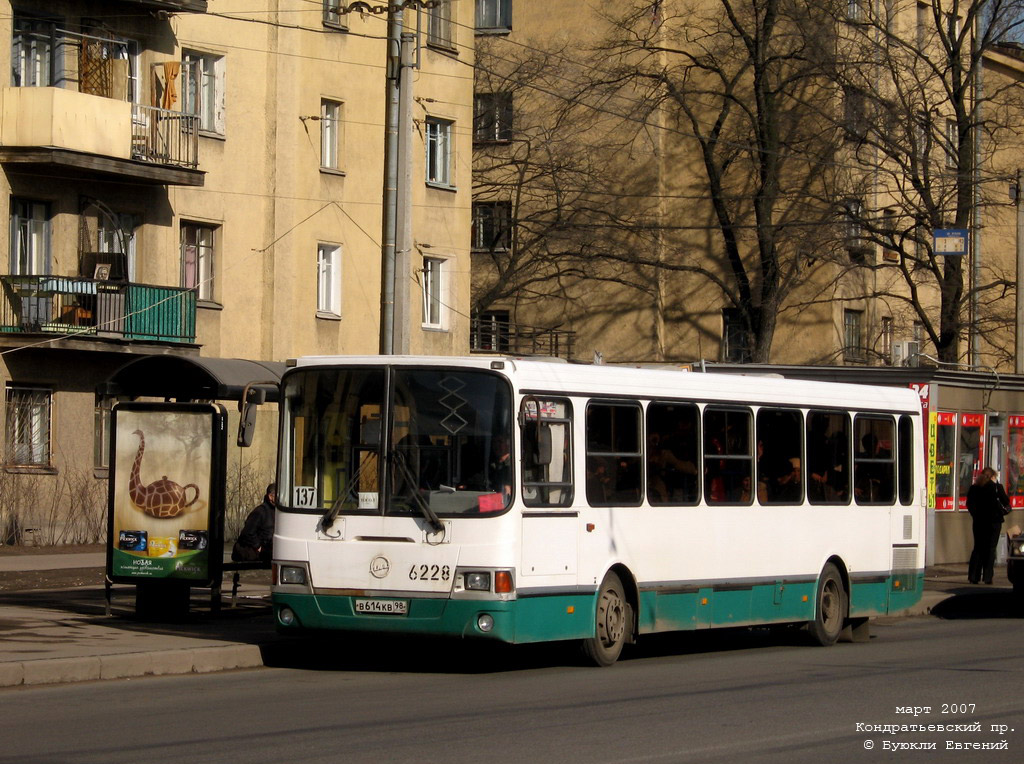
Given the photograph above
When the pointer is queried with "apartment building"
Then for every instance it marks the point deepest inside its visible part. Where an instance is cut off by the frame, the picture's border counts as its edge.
(202, 180)
(637, 256)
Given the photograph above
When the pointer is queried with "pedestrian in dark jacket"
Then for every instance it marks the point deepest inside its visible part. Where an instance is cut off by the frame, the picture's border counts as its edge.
(985, 501)
(256, 540)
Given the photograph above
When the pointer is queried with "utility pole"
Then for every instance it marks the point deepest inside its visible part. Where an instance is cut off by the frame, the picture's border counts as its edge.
(390, 211)
(1018, 345)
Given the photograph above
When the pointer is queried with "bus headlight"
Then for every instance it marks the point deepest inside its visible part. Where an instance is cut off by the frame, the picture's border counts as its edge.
(484, 622)
(479, 582)
(291, 574)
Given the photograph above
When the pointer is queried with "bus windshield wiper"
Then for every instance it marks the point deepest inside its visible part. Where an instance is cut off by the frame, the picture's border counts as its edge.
(328, 518)
(424, 508)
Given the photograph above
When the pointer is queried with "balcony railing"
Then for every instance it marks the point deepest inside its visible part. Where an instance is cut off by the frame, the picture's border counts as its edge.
(487, 336)
(164, 136)
(77, 307)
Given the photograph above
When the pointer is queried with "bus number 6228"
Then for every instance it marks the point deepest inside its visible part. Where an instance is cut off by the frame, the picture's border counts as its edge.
(430, 573)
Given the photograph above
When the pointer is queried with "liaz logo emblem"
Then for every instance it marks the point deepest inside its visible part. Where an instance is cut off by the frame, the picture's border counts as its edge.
(379, 567)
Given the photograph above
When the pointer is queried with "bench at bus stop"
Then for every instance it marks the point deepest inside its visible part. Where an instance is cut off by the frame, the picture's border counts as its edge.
(236, 569)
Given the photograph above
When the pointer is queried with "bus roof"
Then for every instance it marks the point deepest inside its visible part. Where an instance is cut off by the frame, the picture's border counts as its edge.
(647, 381)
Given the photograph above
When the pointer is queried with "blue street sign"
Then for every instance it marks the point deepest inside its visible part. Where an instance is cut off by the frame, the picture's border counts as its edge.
(950, 241)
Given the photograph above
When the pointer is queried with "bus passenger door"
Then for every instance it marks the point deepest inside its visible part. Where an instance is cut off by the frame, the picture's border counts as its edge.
(549, 523)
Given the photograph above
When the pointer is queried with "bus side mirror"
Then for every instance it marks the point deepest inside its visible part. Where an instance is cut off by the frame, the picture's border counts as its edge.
(251, 399)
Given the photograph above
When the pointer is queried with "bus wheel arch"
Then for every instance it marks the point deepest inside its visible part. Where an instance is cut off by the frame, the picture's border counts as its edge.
(831, 604)
(614, 617)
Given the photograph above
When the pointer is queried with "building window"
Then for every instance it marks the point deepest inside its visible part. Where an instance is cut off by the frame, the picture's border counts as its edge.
(854, 10)
(30, 238)
(334, 16)
(735, 337)
(35, 50)
(197, 259)
(28, 426)
(953, 144)
(202, 89)
(886, 338)
(494, 15)
(492, 117)
(492, 226)
(439, 151)
(489, 332)
(117, 241)
(328, 279)
(855, 113)
(440, 30)
(433, 292)
(330, 135)
(853, 333)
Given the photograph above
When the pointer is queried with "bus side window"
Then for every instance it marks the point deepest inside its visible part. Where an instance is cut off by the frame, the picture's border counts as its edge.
(874, 464)
(906, 460)
(779, 456)
(828, 457)
(673, 437)
(613, 454)
(546, 429)
(728, 458)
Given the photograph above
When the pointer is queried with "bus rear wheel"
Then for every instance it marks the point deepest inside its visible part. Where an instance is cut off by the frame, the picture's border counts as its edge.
(829, 608)
(612, 623)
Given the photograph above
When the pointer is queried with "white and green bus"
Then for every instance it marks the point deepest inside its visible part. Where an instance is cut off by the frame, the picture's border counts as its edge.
(528, 500)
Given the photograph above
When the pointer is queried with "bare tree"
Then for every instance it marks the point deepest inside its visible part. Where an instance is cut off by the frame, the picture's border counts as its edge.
(553, 205)
(737, 83)
(923, 131)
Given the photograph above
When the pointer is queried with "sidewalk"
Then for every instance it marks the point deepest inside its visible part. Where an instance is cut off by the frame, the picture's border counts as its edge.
(50, 636)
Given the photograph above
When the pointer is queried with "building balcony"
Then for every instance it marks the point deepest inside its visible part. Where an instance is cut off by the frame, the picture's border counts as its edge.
(78, 308)
(63, 132)
(506, 338)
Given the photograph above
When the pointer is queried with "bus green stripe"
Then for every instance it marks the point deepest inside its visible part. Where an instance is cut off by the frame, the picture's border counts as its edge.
(571, 616)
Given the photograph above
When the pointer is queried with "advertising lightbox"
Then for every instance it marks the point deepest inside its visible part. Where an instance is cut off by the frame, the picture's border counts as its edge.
(166, 500)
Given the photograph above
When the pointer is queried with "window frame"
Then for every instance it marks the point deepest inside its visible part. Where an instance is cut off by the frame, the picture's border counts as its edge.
(536, 493)
(328, 280)
(441, 27)
(434, 289)
(438, 144)
(725, 456)
(615, 453)
(499, 10)
(205, 259)
(863, 462)
(844, 452)
(333, 17)
(491, 228)
(492, 117)
(651, 476)
(40, 435)
(330, 134)
(853, 347)
(36, 231)
(202, 89)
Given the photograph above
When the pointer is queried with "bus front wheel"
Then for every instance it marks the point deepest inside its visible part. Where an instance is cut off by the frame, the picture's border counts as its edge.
(829, 608)
(612, 623)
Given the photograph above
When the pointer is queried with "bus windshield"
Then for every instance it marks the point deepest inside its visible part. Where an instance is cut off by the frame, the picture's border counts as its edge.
(397, 441)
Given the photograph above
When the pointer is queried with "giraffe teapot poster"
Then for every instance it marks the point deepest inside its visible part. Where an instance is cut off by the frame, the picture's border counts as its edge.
(165, 492)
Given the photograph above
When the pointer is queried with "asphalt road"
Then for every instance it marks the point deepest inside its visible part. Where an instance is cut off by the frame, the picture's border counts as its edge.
(715, 697)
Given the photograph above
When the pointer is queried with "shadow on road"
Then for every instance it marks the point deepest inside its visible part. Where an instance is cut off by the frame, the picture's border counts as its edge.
(969, 602)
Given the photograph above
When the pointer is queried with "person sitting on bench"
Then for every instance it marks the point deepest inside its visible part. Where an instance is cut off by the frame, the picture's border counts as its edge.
(255, 542)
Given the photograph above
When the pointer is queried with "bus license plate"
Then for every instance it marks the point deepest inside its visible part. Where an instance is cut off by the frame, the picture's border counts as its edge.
(383, 607)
